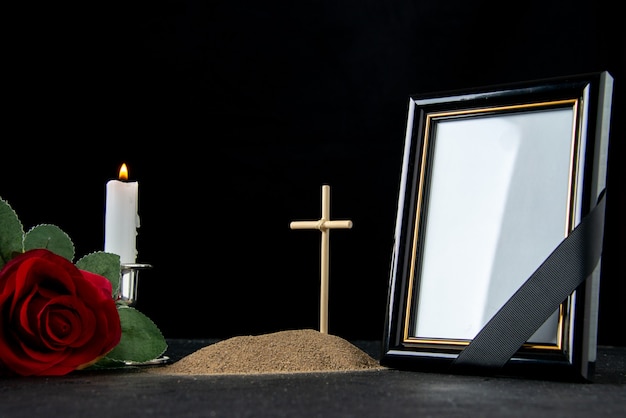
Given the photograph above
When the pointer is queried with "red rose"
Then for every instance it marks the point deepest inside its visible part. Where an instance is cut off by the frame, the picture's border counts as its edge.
(54, 317)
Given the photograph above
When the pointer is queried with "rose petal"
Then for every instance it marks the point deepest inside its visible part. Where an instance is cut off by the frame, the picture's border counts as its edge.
(54, 318)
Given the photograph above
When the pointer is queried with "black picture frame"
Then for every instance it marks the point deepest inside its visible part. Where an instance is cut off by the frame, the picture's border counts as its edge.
(493, 180)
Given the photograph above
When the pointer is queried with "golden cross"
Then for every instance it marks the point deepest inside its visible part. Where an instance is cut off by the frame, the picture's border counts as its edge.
(324, 225)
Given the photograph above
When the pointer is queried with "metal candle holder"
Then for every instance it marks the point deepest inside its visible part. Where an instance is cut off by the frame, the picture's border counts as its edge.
(129, 281)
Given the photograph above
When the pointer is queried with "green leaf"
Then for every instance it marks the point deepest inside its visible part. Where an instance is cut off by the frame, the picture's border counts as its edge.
(11, 233)
(141, 339)
(105, 264)
(50, 237)
(107, 363)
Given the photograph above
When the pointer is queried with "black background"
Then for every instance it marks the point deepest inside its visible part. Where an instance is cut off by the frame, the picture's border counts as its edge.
(232, 114)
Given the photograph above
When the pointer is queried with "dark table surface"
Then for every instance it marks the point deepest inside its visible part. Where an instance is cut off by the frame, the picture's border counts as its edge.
(132, 392)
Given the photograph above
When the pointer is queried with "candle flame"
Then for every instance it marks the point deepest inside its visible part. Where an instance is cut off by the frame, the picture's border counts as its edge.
(123, 172)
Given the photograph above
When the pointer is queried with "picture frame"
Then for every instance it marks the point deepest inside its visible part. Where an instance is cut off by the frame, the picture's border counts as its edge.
(496, 183)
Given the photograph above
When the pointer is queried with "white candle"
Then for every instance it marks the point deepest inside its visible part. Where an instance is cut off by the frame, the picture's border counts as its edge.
(121, 217)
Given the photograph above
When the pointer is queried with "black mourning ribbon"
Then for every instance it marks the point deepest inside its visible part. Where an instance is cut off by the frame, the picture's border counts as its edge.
(571, 262)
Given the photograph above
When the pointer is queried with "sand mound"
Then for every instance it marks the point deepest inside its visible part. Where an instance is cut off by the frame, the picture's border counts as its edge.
(279, 352)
